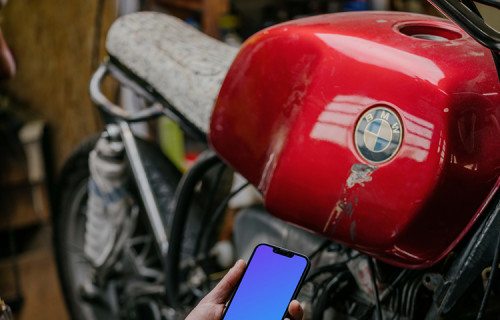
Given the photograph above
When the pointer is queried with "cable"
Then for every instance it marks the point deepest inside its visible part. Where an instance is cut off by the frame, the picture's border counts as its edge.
(397, 306)
(208, 207)
(181, 205)
(387, 292)
(375, 289)
(330, 268)
(215, 218)
(218, 213)
(490, 279)
(336, 284)
(319, 249)
(394, 283)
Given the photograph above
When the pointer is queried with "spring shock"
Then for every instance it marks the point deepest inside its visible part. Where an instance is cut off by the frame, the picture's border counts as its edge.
(108, 200)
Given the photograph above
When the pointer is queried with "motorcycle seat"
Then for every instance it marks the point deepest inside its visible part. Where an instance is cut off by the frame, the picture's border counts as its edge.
(183, 65)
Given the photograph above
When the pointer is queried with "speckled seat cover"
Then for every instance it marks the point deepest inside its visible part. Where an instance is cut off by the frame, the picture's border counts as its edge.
(182, 64)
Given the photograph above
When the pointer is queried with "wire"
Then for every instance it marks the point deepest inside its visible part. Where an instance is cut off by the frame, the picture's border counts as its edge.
(218, 213)
(394, 283)
(334, 286)
(397, 306)
(330, 268)
(181, 205)
(208, 207)
(319, 288)
(387, 292)
(490, 279)
(319, 249)
(375, 289)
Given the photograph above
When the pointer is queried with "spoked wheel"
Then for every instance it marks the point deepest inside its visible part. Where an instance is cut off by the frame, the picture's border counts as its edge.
(133, 286)
(74, 265)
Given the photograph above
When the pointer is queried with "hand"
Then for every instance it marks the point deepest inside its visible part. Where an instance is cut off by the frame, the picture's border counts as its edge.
(295, 310)
(212, 306)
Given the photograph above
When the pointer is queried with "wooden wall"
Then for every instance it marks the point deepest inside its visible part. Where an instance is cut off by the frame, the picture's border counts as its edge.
(52, 43)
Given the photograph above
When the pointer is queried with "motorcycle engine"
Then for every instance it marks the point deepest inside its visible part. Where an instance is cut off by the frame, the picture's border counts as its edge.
(338, 285)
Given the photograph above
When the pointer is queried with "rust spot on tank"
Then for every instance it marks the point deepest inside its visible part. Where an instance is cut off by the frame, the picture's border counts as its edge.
(359, 174)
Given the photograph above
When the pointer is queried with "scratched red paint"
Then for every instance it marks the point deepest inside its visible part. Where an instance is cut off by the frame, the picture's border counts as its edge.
(286, 115)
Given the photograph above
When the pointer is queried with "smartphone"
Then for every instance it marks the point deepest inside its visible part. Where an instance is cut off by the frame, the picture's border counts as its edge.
(272, 278)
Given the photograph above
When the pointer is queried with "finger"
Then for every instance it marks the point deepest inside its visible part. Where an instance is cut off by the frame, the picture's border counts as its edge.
(223, 290)
(295, 310)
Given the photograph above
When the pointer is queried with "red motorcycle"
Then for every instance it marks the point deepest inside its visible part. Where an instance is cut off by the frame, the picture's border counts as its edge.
(371, 137)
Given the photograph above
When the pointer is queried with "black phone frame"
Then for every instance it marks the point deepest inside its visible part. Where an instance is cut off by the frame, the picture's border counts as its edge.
(277, 250)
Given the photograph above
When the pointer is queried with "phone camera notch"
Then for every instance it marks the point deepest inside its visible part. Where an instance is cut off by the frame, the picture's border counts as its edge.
(283, 252)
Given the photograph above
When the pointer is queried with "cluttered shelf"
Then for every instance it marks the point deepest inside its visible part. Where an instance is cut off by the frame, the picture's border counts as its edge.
(195, 5)
(209, 11)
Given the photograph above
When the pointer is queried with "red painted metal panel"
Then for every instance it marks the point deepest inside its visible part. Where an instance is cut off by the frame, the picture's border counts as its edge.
(289, 107)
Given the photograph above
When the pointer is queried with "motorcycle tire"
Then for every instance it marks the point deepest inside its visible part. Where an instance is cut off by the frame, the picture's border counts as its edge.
(69, 219)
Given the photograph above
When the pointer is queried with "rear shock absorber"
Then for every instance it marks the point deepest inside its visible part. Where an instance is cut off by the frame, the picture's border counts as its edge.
(108, 201)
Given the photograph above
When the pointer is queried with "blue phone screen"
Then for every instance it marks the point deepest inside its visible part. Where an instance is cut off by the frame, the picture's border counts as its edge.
(267, 286)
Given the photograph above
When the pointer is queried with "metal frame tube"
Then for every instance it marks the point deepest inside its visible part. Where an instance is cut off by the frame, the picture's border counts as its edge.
(145, 190)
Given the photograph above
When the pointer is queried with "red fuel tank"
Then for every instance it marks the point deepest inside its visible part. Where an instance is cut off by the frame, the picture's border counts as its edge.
(379, 130)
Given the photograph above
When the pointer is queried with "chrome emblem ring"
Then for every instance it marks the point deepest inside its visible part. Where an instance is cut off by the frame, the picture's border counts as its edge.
(378, 135)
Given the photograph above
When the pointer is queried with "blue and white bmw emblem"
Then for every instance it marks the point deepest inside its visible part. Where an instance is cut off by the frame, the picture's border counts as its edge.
(378, 135)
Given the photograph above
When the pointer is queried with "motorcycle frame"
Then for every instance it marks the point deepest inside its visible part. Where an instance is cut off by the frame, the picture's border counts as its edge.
(447, 290)
(476, 248)
(120, 119)
(118, 128)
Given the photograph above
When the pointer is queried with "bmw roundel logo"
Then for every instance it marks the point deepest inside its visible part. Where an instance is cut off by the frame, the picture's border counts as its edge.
(378, 135)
